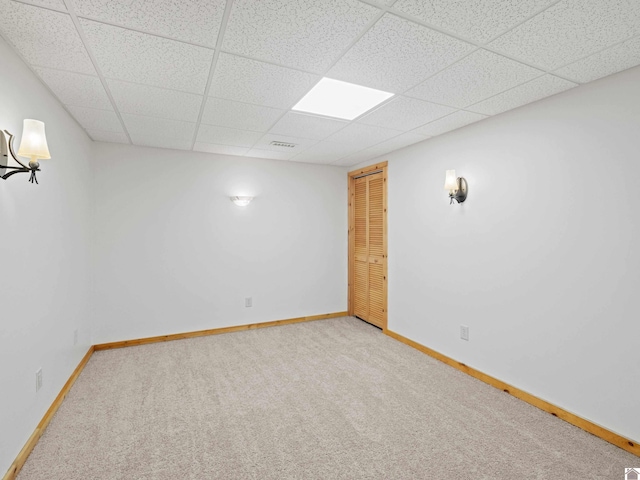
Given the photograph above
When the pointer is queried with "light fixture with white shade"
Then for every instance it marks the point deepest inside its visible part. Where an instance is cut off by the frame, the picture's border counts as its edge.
(33, 145)
(241, 201)
(457, 187)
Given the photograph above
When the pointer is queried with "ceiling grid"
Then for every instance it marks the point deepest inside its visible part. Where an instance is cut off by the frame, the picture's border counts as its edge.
(221, 76)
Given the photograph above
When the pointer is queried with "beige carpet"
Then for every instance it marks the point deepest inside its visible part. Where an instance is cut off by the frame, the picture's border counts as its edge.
(332, 399)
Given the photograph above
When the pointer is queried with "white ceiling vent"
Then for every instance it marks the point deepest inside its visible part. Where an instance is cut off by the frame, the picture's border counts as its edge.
(283, 144)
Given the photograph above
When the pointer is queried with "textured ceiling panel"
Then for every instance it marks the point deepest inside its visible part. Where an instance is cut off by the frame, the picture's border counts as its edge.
(45, 38)
(476, 20)
(260, 83)
(571, 30)
(227, 136)
(55, 4)
(264, 143)
(529, 92)
(222, 149)
(94, 119)
(141, 129)
(476, 77)
(112, 137)
(448, 123)
(395, 143)
(145, 140)
(304, 34)
(193, 21)
(243, 116)
(403, 113)
(612, 60)
(383, 148)
(348, 161)
(396, 54)
(307, 126)
(76, 88)
(154, 101)
(324, 152)
(361, 136)
(140, 58)
(254, 152)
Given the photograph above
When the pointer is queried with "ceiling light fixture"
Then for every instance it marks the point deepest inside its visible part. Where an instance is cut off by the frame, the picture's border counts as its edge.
(33, 145)
(334, 98)
(241, 201)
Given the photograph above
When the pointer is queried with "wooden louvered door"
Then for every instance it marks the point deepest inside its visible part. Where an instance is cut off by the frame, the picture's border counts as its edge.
(368, 246)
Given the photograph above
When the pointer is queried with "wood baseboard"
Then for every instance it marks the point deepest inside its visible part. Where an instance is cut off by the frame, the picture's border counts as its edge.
(594, 429)
(35, 436)
(214, 331)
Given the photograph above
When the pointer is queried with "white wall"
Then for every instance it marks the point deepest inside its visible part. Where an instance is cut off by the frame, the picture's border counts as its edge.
(174, 254)
(44, 259)
(542, 261)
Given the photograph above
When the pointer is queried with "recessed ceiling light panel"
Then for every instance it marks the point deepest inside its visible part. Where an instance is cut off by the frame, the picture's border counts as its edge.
(334, 98)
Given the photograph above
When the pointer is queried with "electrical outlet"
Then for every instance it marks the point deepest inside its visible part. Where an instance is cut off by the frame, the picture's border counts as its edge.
(464, 332)
(39, 379)
(248, 302)
(75, 336)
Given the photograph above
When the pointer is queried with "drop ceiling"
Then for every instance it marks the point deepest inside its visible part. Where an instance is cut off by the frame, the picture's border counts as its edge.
(221, 76)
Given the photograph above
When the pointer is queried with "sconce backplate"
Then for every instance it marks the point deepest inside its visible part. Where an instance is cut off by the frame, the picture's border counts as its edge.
(4, 154)
(461, 194)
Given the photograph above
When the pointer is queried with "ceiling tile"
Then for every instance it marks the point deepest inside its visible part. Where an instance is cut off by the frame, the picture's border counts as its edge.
(350, 161)
(269, 154)
(45, 38)
(541, 87)
(143, 129)
(264, 143)
(145, 140)
(113, 137)
(383, 148)
(260, 83)
(448, 123)
(403, 113)
(612, 60)
(76, 88)
(476, 77)
(570, 30)
(396, 54)
(355, 158)
(304, 34)
(396, 143)
(243, 116)
(324, 152)
(140, 58)
(154, 101)
(193, 21)
(360, 136)
(94, 119)
(307, 126)
(227, 136)
(222, 149)
(477, 20)
(56, 4)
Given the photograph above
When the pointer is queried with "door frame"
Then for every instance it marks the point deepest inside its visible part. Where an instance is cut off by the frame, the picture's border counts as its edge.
(352, 176)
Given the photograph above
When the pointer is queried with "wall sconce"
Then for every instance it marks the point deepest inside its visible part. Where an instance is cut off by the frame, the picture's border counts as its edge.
(241, 201)
(33, 145)
(457, 187)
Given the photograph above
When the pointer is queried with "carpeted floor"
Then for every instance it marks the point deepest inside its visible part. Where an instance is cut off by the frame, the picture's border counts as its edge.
(331, 399)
